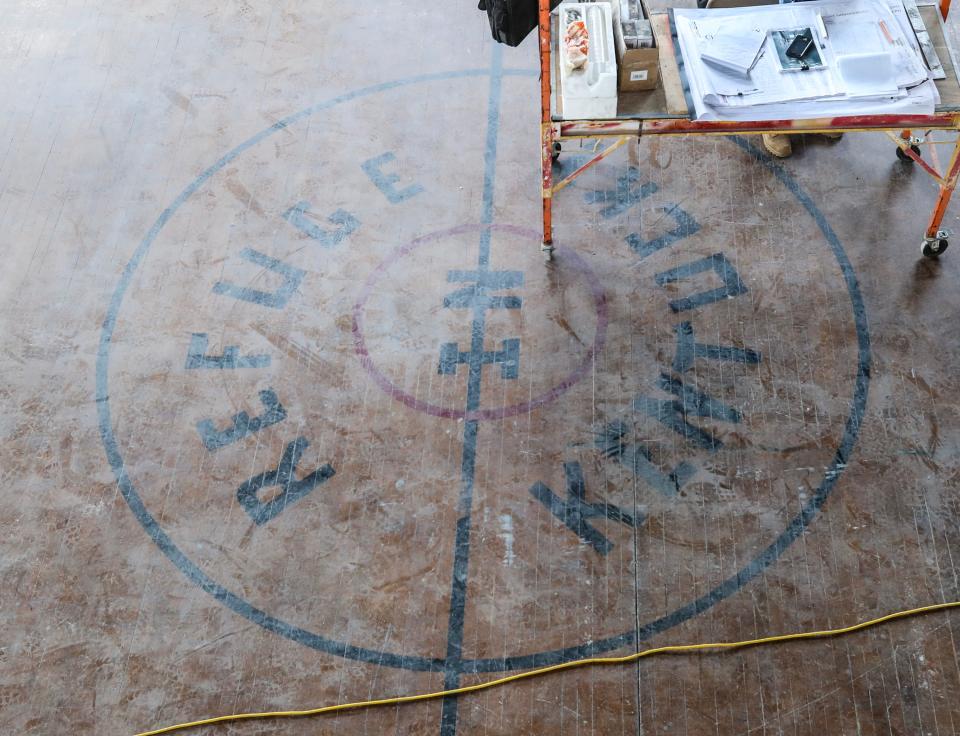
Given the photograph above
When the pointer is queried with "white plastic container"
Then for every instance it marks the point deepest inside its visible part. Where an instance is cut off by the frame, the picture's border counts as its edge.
(590, 92)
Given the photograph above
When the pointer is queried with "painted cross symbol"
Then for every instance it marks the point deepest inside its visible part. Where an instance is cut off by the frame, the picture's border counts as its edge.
(508, 358)
(477, 296)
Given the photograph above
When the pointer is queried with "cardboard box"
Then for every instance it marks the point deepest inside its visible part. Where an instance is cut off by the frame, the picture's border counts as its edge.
(639, 69)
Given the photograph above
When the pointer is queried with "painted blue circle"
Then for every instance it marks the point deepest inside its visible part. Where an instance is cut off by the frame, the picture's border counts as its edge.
(438, 664)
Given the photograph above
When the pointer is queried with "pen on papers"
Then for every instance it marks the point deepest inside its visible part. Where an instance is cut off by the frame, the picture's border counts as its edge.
(883, 27)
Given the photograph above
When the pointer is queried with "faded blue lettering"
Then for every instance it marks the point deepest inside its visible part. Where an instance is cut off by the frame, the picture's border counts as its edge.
(291, 489)
(197, 356)
(328, 238)
(292, 276)
(387, 183)
(242, 423)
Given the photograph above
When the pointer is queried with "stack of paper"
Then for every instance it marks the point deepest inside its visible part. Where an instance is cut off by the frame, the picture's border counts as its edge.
(870, 62)
(733, 48)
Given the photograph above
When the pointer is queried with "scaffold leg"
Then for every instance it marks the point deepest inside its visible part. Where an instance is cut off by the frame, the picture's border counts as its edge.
(546, 160)
(935, 239)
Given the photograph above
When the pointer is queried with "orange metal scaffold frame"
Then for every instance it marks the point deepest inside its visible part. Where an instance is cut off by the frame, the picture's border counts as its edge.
(552, 132)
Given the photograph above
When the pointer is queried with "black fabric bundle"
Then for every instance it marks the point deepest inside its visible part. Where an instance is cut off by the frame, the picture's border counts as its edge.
(512, 20)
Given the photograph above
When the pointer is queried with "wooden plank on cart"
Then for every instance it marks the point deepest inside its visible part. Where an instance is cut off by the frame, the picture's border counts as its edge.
(948, 88)
(669, 71)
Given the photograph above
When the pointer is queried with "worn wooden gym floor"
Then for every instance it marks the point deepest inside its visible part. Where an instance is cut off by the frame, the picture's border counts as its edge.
(294, 413)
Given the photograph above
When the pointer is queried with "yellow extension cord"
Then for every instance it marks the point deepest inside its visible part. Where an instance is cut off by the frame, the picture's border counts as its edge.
(672, 649)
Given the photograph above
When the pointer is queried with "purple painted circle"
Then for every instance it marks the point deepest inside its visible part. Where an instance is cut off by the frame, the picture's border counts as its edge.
(394, 391)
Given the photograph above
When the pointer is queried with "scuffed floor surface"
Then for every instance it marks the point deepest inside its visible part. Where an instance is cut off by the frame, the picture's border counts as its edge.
(296, 414)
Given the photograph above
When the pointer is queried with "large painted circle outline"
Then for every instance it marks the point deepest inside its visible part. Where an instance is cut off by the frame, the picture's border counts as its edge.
(437, 664)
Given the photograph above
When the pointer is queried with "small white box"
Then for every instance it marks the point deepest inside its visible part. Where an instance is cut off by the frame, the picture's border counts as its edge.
(590, 92)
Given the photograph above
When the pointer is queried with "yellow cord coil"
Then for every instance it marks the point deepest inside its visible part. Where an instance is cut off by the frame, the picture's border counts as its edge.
(626, 659)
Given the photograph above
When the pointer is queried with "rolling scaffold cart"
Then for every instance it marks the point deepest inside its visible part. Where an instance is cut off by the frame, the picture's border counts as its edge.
(667, 111)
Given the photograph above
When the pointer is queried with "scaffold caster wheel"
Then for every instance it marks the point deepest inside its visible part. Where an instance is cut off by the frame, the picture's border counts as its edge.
(933, 247)
(557, 149)
(904, 157)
